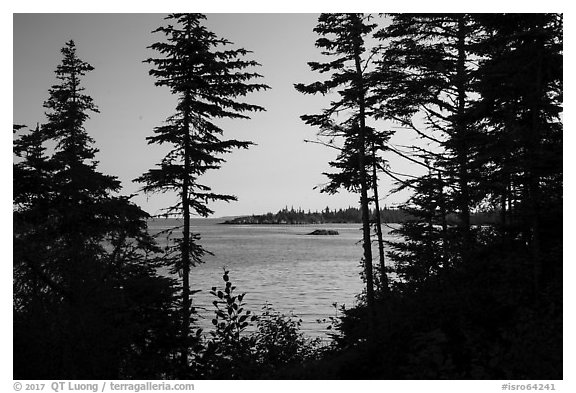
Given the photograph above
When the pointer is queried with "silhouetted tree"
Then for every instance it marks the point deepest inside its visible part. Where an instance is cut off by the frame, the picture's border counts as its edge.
(426, 69)
(343, 39)
(489, 91)
(209, 81)
(80, 252)
(31, 190)
(520, 82)
(422, 251)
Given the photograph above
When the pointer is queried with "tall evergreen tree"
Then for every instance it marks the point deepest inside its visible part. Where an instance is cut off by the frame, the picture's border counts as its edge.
(520, 82)
(426, 70)
(31, 189)
(471, 74)
(80, 251)
(209, 81)
(343, 40)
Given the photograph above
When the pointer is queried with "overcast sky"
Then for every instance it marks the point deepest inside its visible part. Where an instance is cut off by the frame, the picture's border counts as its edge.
(281, 170)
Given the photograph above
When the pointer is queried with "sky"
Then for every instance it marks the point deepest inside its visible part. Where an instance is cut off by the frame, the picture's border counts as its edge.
(280, 170)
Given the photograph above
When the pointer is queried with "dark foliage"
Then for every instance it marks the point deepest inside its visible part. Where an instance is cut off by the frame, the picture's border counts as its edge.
(87, 300)
(479, 321)
(210, 82)
(243, 345)
(471, 301)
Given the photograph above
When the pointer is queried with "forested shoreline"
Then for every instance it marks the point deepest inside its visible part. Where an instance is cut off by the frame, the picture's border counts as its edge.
(478, 268)
(349, 215)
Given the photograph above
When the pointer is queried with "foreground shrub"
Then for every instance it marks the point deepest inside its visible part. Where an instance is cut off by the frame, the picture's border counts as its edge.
(231, 351)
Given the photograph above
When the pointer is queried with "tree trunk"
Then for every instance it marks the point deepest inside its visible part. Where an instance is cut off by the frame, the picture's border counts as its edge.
(442, 205)
(533, 179)
(378, 223)
(363, 179)
(185, 263)
(186, 233)
(460, 134)
(503, 213)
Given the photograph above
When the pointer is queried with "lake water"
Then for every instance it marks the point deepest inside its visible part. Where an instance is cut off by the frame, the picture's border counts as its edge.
(282, 266)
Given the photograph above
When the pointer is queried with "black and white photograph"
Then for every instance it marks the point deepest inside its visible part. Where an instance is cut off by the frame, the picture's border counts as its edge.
(288, 196)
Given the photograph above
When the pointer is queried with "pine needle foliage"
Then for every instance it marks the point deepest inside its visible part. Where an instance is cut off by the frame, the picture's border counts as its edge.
(342, 40)
(210, 82)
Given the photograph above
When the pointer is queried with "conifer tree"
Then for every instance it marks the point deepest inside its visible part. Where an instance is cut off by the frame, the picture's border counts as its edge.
(490, 90)
(83, 250)
(427, 70)
(30, 174)
(31, 188)
(342, 37)
(210, 81)
(520, 82)
(422, 252)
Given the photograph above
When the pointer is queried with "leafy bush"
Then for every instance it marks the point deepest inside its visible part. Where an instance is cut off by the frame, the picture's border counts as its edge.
(279, 341)
(232, 352)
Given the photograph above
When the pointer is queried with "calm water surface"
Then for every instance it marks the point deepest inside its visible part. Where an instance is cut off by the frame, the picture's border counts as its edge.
(282, 266)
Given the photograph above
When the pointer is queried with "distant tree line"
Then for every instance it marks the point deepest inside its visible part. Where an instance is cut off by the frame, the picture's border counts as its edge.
(350, 215)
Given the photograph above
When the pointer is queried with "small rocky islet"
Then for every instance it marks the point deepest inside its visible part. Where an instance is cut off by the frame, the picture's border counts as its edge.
(323, 232)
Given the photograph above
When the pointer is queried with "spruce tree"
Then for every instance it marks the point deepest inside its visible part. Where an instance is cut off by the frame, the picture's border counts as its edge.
(83, 251)
(423, 251)
(31, 190)
(342, 38)
(520, 82)
(426, 71)
(489, 88)
(210, 81)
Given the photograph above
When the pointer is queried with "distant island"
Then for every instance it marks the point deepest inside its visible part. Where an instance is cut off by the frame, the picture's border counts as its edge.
(351, 215)
(291, 216)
